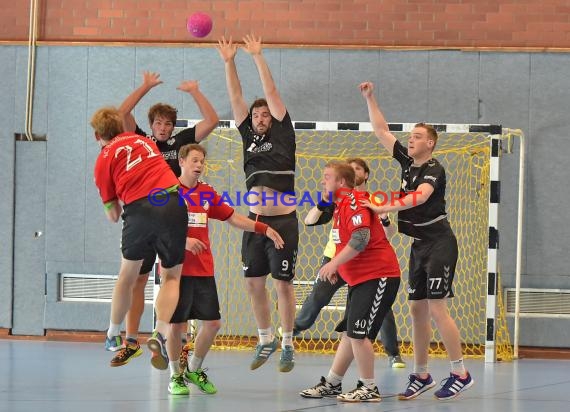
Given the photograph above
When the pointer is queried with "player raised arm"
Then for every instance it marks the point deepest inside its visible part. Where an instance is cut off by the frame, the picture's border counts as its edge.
(243, 223)
(150, 80)
(210, 121)
(227, 50)
(377, 119)
(276, 105)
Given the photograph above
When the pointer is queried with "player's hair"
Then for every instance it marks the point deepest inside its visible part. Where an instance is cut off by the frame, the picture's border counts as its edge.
(186, 149)
(360, 162)
(343, 171)
(162, 110)
(432, 133)
(107, 123)
(258, 103)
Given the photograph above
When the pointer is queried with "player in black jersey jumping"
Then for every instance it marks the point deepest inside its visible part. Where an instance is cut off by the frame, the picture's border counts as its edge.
(433, 254)
(269, 165)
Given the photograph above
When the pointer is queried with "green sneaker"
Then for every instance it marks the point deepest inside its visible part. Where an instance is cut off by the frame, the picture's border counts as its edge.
(262, 353)
(177, 385)
(200, 379)
(287, 360)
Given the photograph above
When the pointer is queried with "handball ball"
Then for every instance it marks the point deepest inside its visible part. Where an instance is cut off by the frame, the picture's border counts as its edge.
(199, 24)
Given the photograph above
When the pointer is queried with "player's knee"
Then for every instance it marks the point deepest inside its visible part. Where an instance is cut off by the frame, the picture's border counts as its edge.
(255, 286)
(212, 325)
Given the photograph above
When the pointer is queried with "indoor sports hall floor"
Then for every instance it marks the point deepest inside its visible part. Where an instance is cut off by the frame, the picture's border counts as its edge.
(58, 376)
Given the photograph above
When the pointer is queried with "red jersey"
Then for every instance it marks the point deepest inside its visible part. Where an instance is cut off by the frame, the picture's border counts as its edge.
(203, 203)
(378, 259)
(129, 168)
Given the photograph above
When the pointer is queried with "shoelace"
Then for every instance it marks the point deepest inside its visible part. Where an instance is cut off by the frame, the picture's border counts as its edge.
(449, 382)
(202, 377)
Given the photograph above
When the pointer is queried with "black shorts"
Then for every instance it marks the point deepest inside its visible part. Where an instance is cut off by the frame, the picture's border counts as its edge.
(366, 305)
(148, 264)
(149, 229)
(432, 268)
(258, 253)
(198, 299)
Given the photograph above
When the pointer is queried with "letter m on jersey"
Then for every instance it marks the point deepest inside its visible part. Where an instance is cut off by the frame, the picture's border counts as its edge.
(357, 220)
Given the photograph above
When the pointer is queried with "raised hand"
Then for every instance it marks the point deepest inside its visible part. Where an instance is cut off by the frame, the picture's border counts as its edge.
(188, 86)
(227, 49)
(151, 79)
(252, 44)
(275, 237)
(366, 88)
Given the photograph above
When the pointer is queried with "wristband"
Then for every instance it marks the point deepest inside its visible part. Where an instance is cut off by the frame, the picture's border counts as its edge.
(323, 206)
(385, 221)
(260, 228)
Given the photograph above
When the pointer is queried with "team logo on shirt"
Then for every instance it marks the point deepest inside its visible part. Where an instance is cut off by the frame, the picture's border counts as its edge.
(170, 141)
(206, 205)
(357, 220)
(432, 178)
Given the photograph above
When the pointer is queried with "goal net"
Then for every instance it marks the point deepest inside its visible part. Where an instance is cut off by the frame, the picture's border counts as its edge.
(466, 158)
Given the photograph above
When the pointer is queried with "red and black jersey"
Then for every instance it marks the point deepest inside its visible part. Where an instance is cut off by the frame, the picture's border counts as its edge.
(129, 167)
(203, 203)
(378, 259)
(171, 147)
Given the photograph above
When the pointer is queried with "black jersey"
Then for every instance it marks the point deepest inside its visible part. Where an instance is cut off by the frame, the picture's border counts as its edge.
(428, 219)
(170, 148)
(269, 160)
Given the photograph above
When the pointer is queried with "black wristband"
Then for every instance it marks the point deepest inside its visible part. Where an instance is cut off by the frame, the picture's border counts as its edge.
(385, 221)
(323, 206)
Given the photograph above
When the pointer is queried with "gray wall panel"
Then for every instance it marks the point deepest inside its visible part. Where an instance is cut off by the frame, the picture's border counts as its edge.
(205, 66)
(7, 118)
(547, 238)
(67, 118)
(402, 86)
(29, 249)
(347, 70)
(453, 87)
(300, 68)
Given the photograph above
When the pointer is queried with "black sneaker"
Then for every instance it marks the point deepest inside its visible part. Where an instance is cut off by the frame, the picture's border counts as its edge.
(131, 350)
(323, 389)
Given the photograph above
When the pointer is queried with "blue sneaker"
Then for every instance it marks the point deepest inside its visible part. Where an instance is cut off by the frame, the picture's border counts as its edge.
(453, 386)
(416, 386)
(287, 360)
(114, 344)
(157, 345)
(262, 353)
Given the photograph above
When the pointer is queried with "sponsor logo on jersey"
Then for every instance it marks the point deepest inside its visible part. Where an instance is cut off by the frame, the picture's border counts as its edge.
(357, 220)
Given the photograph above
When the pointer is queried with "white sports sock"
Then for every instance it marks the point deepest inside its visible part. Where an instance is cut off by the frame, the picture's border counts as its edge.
(265, 336)
(162, 327)
(195, 363)
(458, 368)
(174, 367)
(287, 339)
(333, 378)
(114, 330)
(369, 383)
